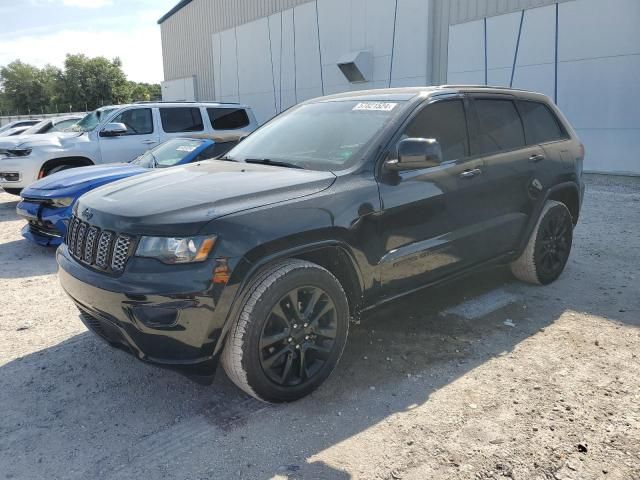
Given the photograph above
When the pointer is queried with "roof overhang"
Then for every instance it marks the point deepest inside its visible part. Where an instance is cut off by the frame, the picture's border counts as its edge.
(179, 6)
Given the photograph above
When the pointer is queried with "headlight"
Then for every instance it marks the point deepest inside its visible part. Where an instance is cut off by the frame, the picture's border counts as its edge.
(176, 250)
(62, 202)
(18, 152)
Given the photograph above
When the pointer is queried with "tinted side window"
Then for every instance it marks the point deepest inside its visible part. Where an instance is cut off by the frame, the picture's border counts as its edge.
(446, 122)
(138, 121)
(228, 118)
(181, 119)
(500, 126)
(540, 124)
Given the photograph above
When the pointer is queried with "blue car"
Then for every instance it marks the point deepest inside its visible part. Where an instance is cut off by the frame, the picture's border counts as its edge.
(47, 204)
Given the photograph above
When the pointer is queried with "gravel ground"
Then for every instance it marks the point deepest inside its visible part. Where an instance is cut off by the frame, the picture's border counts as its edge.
(435, 386)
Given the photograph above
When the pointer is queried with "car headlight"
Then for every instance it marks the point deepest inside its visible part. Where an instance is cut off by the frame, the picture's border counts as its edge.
(176, 250)
(62, 202)
(18, 152)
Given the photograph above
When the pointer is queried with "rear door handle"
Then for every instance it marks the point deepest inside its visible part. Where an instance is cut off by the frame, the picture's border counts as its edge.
(536, 158)
(470, 173)
(149, 142)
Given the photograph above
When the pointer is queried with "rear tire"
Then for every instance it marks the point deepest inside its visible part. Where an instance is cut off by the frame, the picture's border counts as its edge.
(290, 332)
(548, 248)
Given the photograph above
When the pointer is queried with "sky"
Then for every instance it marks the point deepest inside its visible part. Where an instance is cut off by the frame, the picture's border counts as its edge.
(44, 31)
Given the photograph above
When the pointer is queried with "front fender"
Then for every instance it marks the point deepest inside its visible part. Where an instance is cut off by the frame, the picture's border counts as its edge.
(251, 264)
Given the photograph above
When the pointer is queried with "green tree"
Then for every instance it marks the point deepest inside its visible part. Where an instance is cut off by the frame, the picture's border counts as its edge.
(84, 83)
(92, 82)
(28, 89)
(139, 92)
(145, 91)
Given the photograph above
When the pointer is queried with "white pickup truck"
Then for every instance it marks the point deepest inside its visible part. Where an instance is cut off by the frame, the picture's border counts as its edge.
(116, 134)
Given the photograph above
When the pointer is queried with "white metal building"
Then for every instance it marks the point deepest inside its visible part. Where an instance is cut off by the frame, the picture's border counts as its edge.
(271, 54)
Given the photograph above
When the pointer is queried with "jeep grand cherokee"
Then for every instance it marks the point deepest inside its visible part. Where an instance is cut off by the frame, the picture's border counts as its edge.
(334, 207)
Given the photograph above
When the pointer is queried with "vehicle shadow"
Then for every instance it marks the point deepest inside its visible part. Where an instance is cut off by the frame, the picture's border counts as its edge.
(21, 258)
(108, 416)
(80, 409)
(8, 205)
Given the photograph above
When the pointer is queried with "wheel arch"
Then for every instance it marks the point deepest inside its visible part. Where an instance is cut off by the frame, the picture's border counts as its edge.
(335, 256)
(76, 161)
(568, 194)
(563, 192)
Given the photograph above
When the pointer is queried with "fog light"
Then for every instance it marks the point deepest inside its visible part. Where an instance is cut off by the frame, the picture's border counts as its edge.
(10, 176)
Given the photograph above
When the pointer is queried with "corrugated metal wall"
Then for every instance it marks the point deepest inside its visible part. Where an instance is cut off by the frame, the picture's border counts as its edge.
(187, 36)
(452, 12)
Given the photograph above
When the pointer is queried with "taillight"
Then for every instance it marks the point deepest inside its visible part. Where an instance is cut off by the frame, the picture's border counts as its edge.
(581, 147)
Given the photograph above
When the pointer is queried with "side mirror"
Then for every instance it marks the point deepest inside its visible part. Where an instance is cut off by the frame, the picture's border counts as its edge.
(416, 153)
(113, 130)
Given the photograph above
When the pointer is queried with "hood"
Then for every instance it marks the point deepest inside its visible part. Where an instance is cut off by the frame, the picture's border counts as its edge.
(181, 200)
(81, 176)
(54, 139)
(12, 142)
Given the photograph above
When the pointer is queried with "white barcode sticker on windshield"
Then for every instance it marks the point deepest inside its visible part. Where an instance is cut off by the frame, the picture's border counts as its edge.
(375, 106)
(185, 148)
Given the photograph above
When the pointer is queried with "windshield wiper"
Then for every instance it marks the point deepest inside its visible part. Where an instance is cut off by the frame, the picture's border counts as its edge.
(275, 163)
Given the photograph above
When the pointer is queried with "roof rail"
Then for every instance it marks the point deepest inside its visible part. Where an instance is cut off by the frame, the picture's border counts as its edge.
(184, 101)
(483, 86)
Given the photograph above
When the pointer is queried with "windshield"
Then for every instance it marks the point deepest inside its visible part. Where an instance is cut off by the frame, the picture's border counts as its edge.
(167, 154)
(91, 120)
(317, 136)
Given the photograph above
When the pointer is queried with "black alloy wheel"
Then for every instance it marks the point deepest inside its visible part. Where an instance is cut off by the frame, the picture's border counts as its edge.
(289, 333)
(554, 244)
(298, 337)
(547, 251)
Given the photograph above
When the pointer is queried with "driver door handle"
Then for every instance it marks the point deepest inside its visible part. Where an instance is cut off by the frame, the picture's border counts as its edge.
(536, 158)
(149, 142)
(470, 173)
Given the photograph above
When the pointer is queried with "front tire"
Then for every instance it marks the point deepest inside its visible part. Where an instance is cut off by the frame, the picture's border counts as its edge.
(290, 333)
(548, 248)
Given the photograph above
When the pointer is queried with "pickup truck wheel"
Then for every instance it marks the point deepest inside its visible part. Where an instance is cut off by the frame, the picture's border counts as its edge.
(547, 251)
(290, 332)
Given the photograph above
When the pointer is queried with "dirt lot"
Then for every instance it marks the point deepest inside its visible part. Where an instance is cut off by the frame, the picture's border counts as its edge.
(436, 386)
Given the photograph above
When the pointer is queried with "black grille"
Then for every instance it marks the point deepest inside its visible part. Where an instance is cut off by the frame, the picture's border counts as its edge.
(104, 250)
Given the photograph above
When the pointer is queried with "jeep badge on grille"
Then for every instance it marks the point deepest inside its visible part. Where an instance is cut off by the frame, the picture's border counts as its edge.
(87, 213)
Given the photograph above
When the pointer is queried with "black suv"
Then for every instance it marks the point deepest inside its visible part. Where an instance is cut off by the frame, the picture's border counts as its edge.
(260, 258)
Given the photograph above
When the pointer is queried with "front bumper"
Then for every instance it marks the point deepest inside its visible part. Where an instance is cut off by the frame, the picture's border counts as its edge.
(178, 330)
(17, 172)
(46, 226)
